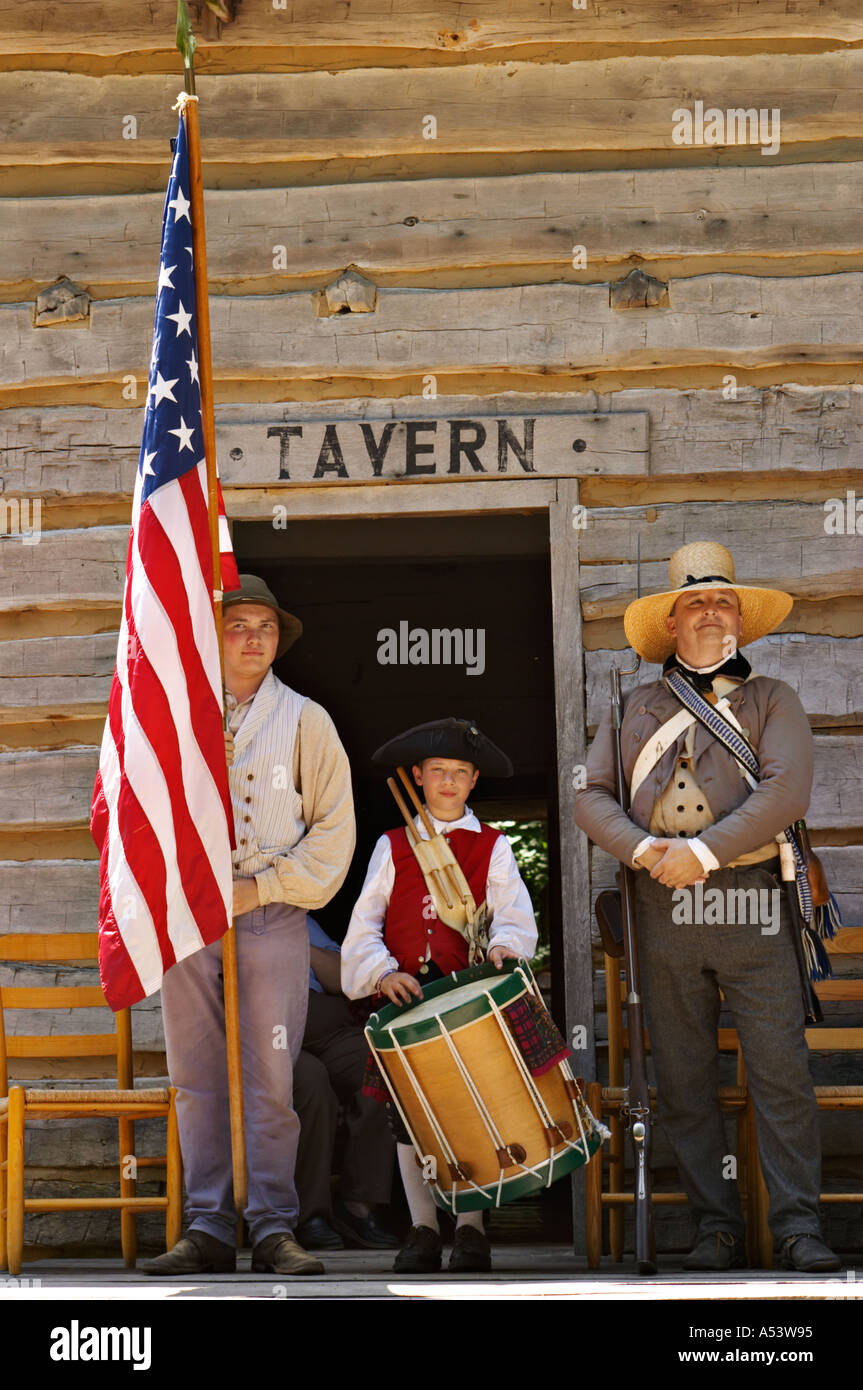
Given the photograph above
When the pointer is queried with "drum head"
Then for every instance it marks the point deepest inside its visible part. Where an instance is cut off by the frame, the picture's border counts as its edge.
(459, 998)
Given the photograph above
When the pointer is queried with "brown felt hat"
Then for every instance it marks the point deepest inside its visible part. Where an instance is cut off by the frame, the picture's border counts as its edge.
(254, 590)
(701, 565)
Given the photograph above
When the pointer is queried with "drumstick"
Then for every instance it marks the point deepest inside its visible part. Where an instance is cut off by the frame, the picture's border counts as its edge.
(430, 831)
(414, 837)
(413, 834)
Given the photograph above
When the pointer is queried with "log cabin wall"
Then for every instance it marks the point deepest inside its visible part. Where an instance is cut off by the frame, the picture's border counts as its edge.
(451, 212)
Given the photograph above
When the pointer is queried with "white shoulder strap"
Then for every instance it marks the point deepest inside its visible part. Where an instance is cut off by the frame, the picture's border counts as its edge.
(663, 739)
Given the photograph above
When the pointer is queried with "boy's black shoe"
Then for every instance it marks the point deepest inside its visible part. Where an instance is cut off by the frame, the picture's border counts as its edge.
(471, 1252)
(421, 1252)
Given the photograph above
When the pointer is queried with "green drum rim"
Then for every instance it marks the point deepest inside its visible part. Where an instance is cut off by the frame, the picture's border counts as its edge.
(510, 981)
(513, 1188)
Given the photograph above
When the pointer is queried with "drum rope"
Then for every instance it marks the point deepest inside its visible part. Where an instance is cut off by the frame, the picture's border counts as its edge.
(446, 1148)
(485, 1115)
(392, 1090)
(566, 1071)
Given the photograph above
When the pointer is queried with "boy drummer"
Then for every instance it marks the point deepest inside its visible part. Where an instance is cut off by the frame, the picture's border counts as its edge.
(395, 940)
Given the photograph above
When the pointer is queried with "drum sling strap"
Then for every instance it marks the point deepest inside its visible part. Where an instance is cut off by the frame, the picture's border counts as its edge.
(818, 922)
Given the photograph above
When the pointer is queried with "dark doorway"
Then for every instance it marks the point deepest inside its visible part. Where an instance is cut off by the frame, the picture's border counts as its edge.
(367, 591)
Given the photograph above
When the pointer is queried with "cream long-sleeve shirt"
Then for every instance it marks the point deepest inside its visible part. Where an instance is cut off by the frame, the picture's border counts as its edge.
(364, 954)
(308, 873)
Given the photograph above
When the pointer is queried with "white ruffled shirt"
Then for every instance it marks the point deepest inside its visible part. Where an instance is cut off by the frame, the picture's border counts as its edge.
(365, 958)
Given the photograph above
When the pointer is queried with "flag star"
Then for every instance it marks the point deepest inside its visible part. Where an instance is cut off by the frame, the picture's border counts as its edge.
(184, 434)
(161, 390)
(182, 319)
(181, 207)
(190, 251)
(146, 470)
(192, 364)
(165, 281)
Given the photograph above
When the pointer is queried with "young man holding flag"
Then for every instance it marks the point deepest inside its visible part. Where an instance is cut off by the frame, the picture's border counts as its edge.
(293, 815)
(165, 820)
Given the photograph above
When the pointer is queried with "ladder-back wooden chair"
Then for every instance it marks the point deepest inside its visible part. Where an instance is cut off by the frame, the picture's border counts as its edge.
(124, 1103)
(605, 1172)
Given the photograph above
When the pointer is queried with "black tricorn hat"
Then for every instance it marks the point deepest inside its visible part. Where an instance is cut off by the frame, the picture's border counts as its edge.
(445, 738)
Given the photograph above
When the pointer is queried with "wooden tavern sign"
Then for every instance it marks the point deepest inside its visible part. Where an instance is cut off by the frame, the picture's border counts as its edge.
(313, 451)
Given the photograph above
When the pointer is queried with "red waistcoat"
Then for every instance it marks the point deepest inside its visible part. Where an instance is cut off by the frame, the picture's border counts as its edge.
(411, 924)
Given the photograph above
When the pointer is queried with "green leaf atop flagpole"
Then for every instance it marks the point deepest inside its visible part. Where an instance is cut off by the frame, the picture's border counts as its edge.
(186, 42)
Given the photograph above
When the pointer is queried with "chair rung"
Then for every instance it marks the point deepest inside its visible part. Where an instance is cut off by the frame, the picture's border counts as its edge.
(95, 1203)
(662, 1199)
(87, 1097)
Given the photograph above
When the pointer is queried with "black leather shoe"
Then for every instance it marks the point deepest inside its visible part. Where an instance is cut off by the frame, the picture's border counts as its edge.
(318, 1234)
(366, 1231)
(808, 1254)
(421, 1252)
(194, 1253)
(280, 1254)
(717, 1251)
(471, 1252)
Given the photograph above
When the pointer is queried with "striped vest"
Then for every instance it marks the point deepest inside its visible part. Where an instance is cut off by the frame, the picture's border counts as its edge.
(268, 810)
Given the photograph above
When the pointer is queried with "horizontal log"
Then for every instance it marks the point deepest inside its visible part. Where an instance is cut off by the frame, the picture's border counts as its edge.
(102, 36)
(826, 673)
(322, 127)
(41, 788)
(80, 450)
(448, 233)
(46, 895)
(720, 322)
(47, 842)
(67, 565)
(783, 544)
(842, 865)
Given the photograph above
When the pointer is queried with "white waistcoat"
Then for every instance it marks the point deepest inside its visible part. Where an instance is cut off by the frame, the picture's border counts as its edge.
(268, 810)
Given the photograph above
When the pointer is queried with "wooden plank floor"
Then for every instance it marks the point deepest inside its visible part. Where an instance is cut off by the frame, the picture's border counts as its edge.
(519, 1273)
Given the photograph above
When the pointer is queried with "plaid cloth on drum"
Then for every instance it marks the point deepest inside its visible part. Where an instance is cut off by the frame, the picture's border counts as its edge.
(537, 1035)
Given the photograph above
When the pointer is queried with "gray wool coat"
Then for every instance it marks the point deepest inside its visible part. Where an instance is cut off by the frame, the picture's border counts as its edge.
(778, 729)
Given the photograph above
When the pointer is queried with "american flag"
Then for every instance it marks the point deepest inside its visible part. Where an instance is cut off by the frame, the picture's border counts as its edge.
(161, 813)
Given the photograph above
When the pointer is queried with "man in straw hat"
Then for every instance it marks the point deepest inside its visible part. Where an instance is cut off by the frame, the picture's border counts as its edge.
(294, 825)
(693, 817)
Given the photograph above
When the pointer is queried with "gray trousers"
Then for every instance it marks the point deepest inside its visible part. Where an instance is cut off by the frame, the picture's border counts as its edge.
(330, 1069)
(683, 967)
(273, 975)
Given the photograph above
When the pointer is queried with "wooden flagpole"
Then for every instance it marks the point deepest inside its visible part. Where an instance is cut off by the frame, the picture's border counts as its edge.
(186, 45)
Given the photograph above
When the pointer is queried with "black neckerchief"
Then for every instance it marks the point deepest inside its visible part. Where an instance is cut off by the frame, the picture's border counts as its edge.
(737, 667)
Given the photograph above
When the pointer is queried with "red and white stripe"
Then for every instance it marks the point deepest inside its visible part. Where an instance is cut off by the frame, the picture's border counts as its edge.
(161, 809)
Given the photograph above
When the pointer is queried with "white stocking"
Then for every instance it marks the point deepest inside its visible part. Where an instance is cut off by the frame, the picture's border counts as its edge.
(420, 1201)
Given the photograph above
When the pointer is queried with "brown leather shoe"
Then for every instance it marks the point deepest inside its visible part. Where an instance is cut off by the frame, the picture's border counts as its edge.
(280, 1254)
(717, 1251)
(809, 1254)
(471, 1252)
(194, 1253)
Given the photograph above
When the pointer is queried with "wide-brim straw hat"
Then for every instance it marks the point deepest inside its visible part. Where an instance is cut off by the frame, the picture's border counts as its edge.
(701, 565)
(254, 590)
